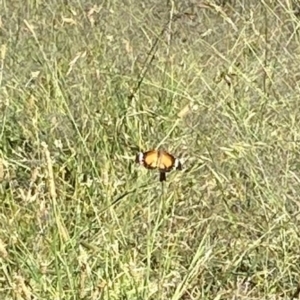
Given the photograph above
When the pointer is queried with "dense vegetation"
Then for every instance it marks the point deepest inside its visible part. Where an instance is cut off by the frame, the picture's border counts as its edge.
(85, 85)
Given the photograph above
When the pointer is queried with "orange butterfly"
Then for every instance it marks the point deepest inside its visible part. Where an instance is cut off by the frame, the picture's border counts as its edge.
(159, 159)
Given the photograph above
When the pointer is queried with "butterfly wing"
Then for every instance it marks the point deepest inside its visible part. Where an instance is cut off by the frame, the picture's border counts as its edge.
(139, 159)
(177, 164)
(166, 162)
(150, 159)
(159, 159)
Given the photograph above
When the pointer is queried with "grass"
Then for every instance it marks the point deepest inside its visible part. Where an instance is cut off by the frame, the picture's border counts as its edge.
(216, 84)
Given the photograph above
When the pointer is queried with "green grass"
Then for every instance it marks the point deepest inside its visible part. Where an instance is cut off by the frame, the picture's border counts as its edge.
(219, 88)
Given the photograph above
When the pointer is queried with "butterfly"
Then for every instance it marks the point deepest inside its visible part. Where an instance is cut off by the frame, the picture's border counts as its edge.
(159, 159)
